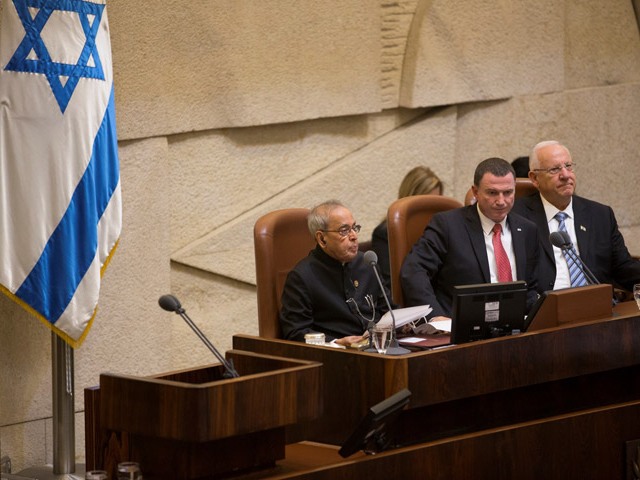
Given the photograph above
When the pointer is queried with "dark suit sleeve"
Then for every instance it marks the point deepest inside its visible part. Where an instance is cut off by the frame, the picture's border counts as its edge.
(421, 266)
(625, 270)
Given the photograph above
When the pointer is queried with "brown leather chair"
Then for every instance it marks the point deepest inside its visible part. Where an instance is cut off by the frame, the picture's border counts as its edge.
(524, 187)
(281, 239)
(406, 220)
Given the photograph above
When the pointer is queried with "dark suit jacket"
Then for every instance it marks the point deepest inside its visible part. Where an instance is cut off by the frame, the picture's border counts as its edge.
(452, 252)
(600, 243)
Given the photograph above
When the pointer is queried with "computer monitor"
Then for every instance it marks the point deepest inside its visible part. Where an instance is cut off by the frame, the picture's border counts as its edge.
(374, 433)
(487, 310)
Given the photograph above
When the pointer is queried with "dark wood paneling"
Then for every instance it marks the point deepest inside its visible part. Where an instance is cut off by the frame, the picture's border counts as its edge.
(508, 379)
(193, 423)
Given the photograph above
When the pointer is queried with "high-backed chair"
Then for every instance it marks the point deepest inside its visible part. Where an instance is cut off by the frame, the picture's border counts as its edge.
(281, 239)
(406, 220)
(524, 187)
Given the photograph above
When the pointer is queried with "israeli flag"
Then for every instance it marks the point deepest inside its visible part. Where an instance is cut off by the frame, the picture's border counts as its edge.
(60, 202)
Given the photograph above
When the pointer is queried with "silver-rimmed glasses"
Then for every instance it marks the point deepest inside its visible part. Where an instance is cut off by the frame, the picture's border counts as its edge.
(569, 166)
(346, 229)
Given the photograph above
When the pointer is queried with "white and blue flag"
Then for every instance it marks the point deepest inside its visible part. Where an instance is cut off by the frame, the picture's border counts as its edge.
(60, 202)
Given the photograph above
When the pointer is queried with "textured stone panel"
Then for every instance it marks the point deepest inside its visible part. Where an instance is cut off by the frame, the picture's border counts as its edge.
(632, 239)
(219, 175)
(25, 366)
(367, 181)
(481, 49)
(219, 306)
(397, 17)
(184, 66)
(602, 43)
(24, 443)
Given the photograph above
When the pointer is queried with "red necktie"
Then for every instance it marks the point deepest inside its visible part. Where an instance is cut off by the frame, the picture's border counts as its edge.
(502, 261)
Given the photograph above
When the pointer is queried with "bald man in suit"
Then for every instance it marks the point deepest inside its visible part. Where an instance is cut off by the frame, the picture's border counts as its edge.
(457, 247)
(592, 226)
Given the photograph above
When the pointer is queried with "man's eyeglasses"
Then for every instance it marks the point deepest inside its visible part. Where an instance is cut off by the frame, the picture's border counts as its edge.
(556, 170)
(346, 229)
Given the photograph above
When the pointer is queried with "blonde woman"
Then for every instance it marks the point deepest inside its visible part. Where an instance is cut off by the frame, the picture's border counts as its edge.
(419, 181)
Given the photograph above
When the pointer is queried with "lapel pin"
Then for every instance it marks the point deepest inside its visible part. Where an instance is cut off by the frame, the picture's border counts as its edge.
(582, 227)
(519, 229)
(355, 283)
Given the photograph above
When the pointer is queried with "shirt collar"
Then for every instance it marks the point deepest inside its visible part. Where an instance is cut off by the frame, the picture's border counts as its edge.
(487, 223)
(550, 210)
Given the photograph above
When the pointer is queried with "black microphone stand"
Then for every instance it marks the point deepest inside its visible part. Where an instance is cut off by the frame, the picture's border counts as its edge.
(394, 347)
(370, 322)
(172, 304)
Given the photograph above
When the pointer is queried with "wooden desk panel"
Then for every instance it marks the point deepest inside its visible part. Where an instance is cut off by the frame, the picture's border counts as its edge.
(589, 444)
(475, 386)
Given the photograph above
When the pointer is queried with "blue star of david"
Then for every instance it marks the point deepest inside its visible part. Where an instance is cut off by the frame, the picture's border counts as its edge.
(32, 43)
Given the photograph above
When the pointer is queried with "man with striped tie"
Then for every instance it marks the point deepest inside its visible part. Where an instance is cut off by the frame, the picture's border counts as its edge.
(591, 226)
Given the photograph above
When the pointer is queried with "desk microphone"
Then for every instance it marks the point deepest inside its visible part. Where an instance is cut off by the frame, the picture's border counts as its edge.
(172, 304)
(562, 240)
(394, 348)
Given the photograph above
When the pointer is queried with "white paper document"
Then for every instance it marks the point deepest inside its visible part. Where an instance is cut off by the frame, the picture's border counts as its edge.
(406, 315)
(443, 325)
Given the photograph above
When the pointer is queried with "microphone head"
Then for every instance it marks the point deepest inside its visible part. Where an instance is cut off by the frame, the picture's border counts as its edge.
(567, 239)
(557, 240)
(169, 303)
(371, 257)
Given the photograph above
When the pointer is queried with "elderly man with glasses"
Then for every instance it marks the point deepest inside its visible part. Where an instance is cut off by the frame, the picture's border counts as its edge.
(591, 226)
(332, 290)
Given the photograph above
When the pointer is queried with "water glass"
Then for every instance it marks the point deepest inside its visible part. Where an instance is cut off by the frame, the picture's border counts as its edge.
(381, 338)
(96, 475)
(314, 338)
(129, 471)
(636, 293)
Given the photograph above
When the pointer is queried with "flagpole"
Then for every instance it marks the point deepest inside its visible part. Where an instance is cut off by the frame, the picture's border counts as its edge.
(64, 437)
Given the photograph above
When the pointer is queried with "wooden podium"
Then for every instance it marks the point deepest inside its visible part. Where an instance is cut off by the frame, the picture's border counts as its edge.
(573, 305)
(195, 424)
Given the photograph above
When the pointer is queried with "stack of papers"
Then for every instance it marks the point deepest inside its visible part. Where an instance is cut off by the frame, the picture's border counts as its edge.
(406, 315)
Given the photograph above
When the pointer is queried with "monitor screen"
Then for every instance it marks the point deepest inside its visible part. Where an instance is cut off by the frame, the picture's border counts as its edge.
(487, 310)
(374, 433)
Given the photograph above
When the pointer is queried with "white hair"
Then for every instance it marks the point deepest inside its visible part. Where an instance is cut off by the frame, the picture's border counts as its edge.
(534, 161)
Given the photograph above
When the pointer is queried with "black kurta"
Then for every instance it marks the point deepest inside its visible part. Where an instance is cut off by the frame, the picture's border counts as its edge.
(315, 297)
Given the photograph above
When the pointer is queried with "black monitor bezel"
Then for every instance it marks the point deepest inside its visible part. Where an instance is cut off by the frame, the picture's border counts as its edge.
(511, 295)
(374, 432)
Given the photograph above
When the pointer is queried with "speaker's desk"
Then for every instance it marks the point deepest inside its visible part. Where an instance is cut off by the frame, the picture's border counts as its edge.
(468, 388)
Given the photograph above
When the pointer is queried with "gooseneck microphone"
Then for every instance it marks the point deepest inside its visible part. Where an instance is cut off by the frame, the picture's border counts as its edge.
(562, 240)
(394, 348)
(172, 304)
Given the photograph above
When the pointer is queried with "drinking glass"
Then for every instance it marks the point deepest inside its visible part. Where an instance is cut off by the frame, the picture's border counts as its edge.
(96, 475)
(129, 471)
(381, 338)
(636, 293)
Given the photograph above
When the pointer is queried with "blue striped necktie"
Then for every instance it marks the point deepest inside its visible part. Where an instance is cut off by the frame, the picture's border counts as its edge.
(575, 267)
